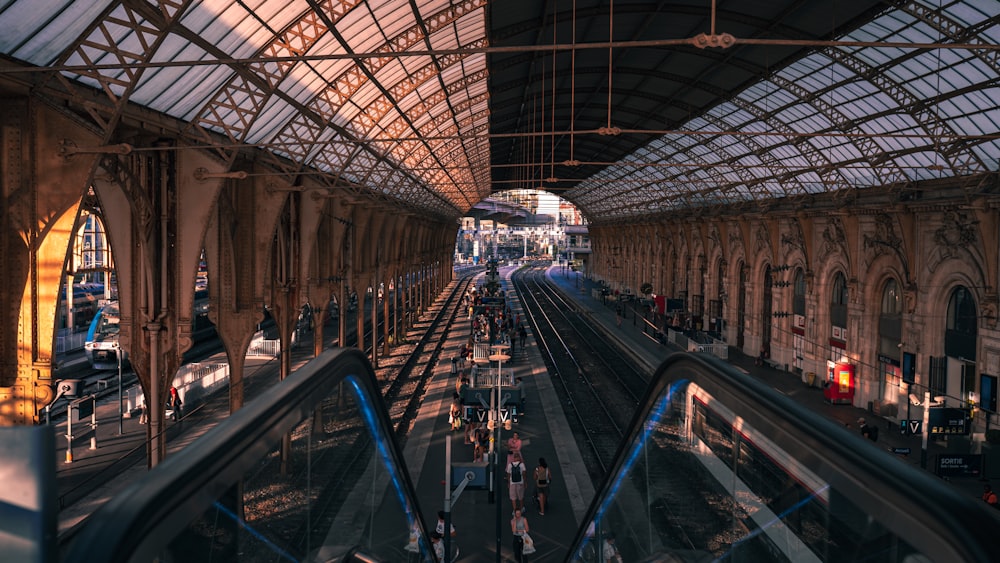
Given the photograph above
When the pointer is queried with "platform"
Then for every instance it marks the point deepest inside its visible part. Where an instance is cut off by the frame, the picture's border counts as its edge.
(544, 432)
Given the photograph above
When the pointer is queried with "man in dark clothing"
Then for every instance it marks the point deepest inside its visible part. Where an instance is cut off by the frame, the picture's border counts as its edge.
(867, 430)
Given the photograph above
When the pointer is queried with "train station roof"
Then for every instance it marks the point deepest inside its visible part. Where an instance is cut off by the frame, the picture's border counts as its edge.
(627, 108)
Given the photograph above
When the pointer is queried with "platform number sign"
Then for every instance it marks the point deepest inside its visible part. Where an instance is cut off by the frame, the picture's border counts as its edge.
(911, 427)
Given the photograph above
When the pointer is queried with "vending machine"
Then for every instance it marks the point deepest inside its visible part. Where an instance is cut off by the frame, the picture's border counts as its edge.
(840, 383)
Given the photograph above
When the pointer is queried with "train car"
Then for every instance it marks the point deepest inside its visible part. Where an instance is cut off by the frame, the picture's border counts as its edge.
(101, 346)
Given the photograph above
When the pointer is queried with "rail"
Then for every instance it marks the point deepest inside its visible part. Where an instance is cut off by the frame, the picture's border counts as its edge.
(302, 442)
(719, 465)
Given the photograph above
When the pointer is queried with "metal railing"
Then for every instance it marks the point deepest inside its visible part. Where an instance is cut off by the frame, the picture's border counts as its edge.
(156, 515)
(788, 481)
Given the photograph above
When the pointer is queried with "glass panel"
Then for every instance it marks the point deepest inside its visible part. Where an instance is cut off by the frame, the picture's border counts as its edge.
(307, 472)
(722, 468)
(333, 491)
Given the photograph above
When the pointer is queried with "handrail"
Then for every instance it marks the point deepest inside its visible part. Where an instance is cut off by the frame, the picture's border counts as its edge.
(138, 522)
(912, 504)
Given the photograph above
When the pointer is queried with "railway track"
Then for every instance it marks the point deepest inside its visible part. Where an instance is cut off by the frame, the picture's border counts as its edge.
(340, 460)
(600, 389)
(598, 385)
(402, 394)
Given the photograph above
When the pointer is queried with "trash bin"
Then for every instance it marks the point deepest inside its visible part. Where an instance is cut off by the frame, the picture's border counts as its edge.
(454, 366)
(811, 378)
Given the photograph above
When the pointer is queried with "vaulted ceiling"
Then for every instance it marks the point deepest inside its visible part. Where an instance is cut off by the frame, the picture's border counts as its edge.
(626, 108)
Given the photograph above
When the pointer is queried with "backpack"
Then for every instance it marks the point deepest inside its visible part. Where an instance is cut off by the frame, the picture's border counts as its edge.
(515, 472)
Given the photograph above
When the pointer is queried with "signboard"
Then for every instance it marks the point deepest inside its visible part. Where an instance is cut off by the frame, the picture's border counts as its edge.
(959, 465)
(911, 427)
(82, 409)
(481, 396)
(483, 415)
(909, 367)
(477, 472)
(948, 421)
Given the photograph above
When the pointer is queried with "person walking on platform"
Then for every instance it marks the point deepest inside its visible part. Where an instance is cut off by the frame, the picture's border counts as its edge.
(543, 477)
(523, 334)
(515, 482)
(175, 404)
(455, 414)
(610, 550)
(438, 545)
(513, 447)
(989, 497)
(523, 544)
(867, 430)
(482, 440)
(440, 525)
(519, 385)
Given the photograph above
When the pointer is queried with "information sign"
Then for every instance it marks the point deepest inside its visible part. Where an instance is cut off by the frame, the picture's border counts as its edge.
(959, 465)
(948, 421)
(482, 415)
(82, 409)
(911, 427)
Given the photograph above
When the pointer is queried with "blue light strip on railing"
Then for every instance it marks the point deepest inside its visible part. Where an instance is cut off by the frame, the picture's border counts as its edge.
(277, 550)
(654, 417)
(368, 414)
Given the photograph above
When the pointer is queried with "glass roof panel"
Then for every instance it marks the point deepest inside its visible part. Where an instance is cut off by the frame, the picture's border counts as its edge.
(39, 32)
(362, 33)
(903, 82)
(181, 91)
(227, 27)
(272, 118)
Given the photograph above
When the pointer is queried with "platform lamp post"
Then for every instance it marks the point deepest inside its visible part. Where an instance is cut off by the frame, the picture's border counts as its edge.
(498, 356)
(927, 403)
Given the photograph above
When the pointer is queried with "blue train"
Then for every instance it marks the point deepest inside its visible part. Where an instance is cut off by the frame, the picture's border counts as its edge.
(101, 346)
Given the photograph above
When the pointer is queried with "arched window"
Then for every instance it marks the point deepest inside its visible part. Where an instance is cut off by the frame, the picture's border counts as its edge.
(892, 298)
(767, 309)
(838, 301)
(890, 327)
(962, 312)
(962, 325)
(890, 321)
(799, 317)
(799, 296)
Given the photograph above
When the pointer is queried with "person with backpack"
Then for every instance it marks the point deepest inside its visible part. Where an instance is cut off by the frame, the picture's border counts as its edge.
(867, 430)
(515, 481)
(543, 477)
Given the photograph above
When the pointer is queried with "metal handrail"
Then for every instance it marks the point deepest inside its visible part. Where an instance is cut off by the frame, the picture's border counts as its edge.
(137, 523)
(912, 504)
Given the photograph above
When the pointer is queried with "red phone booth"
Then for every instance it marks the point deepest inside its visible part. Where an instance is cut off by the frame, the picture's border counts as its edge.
(839, 386)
